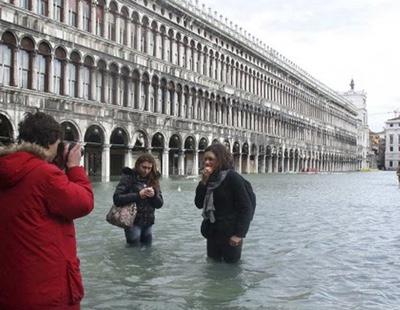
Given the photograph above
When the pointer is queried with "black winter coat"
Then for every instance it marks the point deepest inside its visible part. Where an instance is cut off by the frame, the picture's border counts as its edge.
(233, 209)
(127, 191)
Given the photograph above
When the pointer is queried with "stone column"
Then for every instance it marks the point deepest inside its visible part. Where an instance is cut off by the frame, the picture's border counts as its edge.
(105, 23)
(93, 84)
(165, 163)
(256, 163)
(195, 170)
(34, 6)
(93, 17)
(50, 87)
(129, 157)
(65, 16)
(105, 163)
(50, 9)
(15, 77)
(34, 70)
(128, 32)
(240, 163)
(181, 162)
(79, 15)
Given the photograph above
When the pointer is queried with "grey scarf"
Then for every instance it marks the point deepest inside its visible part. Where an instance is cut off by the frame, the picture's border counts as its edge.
(208, 204)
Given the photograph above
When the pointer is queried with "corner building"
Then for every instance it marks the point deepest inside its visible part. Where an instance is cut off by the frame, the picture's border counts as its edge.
(166, 77)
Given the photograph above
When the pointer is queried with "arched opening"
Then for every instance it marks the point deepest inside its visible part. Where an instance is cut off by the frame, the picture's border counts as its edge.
(141, 144)
(189, 155)
(94, 141)
(118, 151)
(175, 155)
(236, 155)
(245, 158)
(203, 143)
(6, 131)
(157, 149)
(70, 132)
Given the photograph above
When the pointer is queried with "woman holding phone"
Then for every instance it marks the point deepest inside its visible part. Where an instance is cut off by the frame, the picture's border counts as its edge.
(140, 185)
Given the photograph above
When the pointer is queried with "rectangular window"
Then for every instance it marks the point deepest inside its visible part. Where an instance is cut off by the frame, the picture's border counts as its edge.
(390, 163)
(391, 149)
(72, 89)
(41, 73)
(24, 4)
(57, 77)
(99, 20)
(86, 83)
(391, 125)
(99, 86)
(86, 16)
(72, 13)
(58, 10)
(5, 64)
(390, 139)
(24, 68)
(42, 7)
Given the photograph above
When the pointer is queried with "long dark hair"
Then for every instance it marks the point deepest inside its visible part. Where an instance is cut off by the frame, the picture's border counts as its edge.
(223, 155)
(154, 175)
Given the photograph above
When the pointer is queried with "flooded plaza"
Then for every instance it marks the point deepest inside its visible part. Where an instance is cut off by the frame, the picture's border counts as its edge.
(321, 241)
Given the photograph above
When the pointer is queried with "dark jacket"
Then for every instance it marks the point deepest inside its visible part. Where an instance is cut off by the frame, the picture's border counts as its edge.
(39, 267)
(232, 204)
(127, 191)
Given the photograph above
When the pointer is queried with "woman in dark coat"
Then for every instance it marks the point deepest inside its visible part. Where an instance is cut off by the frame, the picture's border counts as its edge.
(227, 208)
(141, 186)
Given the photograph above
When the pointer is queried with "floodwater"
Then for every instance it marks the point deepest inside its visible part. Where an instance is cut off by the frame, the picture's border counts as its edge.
(323, 241)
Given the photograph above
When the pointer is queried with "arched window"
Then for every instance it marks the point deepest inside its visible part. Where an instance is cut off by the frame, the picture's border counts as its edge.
(72, 12)
(100, 18)
(43, 63)
(86, 16)
(113, 85)
(7, 44)
(100, 78)
(58, 10)
(42, 7)
(87, 78)
(123, 29)
(59, 71)
(143, 36)
(5, 64)
(25, 63)
(124, 93)
(112, 30)
(135, 31)
(73, 74)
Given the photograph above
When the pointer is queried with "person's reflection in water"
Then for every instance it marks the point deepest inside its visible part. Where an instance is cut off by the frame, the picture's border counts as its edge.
(222, 285)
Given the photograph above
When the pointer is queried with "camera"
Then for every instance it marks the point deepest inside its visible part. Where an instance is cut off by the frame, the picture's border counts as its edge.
(61, 159)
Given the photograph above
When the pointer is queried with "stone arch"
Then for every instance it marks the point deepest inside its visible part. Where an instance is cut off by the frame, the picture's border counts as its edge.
(119, 150)
(71, 131)
(6, 130)
(94, 142)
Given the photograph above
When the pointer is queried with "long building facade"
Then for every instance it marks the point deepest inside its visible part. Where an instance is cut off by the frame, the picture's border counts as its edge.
(170, 78)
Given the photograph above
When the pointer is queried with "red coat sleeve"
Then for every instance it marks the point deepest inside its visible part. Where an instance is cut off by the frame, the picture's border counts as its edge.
(69, 195)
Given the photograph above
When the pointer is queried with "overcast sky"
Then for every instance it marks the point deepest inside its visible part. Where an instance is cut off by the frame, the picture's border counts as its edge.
(334, 41)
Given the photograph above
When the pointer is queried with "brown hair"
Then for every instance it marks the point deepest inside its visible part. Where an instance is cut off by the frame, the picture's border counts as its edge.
(223, 155)
(154, 175)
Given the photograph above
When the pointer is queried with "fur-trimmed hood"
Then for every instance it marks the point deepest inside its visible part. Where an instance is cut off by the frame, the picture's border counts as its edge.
(17, 160)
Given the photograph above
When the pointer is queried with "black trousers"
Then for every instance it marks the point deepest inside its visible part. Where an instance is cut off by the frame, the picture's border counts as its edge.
(218, 248)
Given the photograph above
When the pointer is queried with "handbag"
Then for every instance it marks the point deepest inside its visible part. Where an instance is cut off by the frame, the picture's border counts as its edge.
(122, 216)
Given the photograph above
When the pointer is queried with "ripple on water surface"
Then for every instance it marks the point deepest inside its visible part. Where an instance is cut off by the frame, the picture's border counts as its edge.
(328, 241)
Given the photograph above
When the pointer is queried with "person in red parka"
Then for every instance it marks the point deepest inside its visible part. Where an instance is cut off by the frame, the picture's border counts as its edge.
(39, 267)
